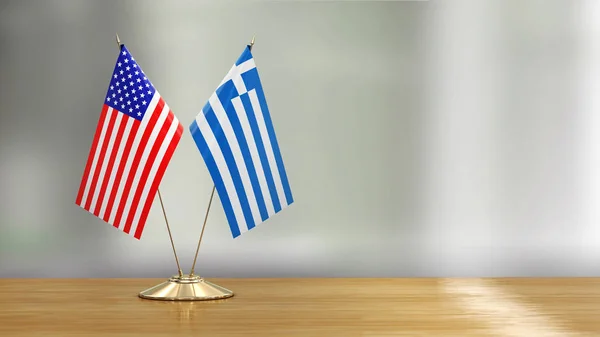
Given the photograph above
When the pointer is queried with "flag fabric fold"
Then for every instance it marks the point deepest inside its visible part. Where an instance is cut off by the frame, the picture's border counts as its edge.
(235, 136)
(136, 136)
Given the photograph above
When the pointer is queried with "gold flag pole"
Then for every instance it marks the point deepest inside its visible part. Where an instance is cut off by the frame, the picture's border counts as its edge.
(202, 232)
(189, 287)
(209, 203)
(169, 230)
(161, 202)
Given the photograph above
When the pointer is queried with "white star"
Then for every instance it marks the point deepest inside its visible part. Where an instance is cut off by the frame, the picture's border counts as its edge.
(149, 92)
(119, 91)
(127, 68)
(142, 95)
(112, 87)
(117, 84)
(129, 75)
(130, 110)
(119, 64)
(128, 102)
(121, 99)
(123, 79)
(147, 85)
(137, 106)
(134, 98)
(139, 113)
(126, 60)
(122, 106)
(114, 95)
(140, 87)
(126, 94)
(131, 83)
(124, 52)
(108, 99)
(139, 80)
(121, 72)
(137, 72)
(125, 87)
(115, 75)
(134, 65)
(133, 91)
(144, 102)
(144, 77)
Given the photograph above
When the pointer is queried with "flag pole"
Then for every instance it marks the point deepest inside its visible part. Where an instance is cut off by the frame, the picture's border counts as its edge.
(188, 287)
(161, 203)
(210, 202)
(203, 226)
(169, 230)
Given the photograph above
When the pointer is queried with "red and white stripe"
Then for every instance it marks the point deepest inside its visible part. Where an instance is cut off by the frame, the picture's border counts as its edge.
(126, 163)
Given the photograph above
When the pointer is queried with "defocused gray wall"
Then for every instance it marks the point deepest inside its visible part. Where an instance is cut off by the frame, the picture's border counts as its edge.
(440, 138)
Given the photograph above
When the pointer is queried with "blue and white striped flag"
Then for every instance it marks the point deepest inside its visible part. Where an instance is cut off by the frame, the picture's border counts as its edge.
(235, 136)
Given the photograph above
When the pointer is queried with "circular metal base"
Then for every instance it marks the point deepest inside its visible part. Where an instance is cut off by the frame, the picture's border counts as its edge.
(186, 288)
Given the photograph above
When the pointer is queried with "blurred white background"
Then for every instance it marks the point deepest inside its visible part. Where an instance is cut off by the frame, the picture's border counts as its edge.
(421, 138)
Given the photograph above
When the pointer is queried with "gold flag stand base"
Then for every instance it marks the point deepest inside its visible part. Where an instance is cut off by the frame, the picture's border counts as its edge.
(186, 288)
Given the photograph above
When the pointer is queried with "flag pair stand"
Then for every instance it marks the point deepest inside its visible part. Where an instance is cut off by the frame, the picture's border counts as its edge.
(190, 287)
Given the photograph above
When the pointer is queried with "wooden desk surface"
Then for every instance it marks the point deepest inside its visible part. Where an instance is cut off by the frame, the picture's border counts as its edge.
(306, 307)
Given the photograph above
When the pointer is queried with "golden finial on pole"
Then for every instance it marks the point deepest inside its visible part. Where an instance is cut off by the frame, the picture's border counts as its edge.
(118, 41)
(252, 42)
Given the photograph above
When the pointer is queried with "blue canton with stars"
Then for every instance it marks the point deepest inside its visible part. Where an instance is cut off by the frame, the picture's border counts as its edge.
(130, 91)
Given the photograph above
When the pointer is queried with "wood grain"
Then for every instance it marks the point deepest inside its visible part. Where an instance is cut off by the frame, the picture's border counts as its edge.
(306, 307)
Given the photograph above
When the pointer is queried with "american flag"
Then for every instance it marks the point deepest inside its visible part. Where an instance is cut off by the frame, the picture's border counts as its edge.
(134, 141)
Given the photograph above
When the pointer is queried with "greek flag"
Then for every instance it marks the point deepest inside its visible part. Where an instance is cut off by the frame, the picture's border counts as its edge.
(236, 139)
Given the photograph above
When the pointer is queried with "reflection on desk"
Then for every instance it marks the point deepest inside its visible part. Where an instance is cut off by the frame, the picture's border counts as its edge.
(306, 307)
